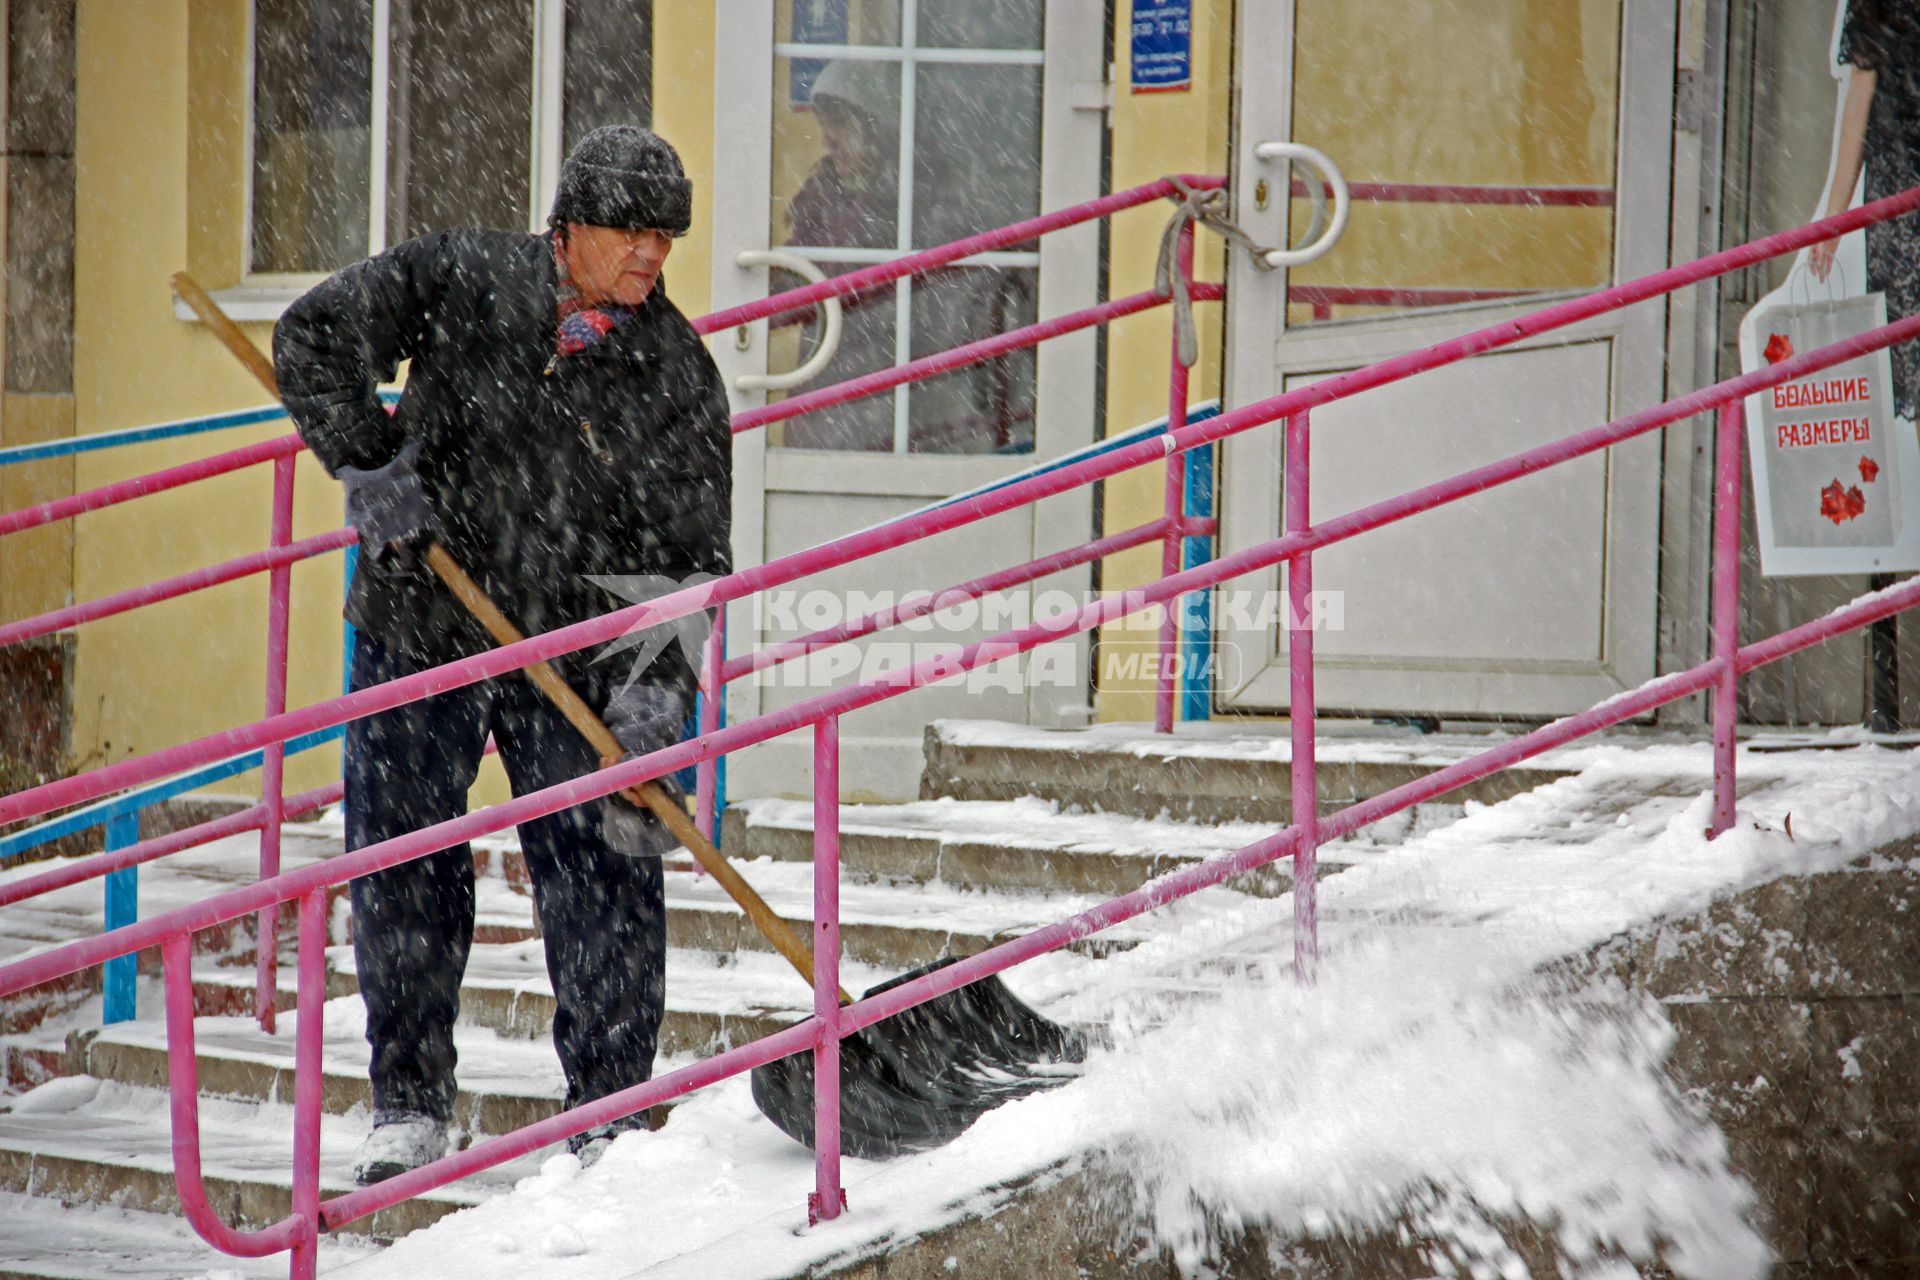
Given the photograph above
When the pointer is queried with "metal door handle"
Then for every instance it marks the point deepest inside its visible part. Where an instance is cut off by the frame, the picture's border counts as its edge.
(1325, 232)
(829, 339)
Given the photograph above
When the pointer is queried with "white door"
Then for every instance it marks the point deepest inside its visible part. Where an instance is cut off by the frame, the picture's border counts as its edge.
(852, 131)
(1501, 153)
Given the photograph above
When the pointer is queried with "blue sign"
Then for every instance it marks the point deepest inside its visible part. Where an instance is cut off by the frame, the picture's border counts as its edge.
(814, 22)
(1162, 45)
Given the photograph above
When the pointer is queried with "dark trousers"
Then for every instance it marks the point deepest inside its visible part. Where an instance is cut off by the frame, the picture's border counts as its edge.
(601, 911)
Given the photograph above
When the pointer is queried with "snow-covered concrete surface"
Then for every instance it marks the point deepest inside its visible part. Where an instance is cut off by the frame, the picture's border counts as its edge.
(1428, 1072)
(43, 1238)
(1026, 823)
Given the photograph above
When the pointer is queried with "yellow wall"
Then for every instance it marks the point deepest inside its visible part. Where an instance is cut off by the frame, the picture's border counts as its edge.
(36, 567)
(192, 666)
(161, 88)
(1155, 134)
(683, 34)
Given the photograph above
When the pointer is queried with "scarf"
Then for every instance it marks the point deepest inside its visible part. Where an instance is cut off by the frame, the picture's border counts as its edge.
(581, 325)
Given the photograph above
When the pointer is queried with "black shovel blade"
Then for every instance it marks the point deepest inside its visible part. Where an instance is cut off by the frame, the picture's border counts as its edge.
(918, 1079)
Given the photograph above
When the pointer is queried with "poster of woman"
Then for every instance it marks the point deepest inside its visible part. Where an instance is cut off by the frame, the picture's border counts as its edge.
(1836, 461)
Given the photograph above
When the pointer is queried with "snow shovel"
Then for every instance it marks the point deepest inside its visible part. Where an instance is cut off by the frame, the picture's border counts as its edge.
(908, 1083)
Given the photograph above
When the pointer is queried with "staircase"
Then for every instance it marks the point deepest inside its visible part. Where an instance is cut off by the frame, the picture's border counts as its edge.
(1015, 828)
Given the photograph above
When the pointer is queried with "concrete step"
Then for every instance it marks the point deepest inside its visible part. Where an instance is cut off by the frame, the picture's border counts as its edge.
(1024, 844)
(81, 1140)
(506, 1082)
(714, 1002)
(1208, 771)
(892, 926)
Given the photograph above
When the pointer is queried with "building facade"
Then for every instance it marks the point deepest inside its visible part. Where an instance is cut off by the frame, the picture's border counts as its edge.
(1503, 153)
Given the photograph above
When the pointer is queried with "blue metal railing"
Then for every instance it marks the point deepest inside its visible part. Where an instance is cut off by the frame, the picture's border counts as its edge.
(18, 453)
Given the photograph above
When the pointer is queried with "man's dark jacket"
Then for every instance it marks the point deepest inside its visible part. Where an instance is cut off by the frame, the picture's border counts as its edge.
(539, 471)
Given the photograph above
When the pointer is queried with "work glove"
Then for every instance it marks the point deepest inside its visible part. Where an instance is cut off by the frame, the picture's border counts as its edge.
(388, 505)
(644, 718)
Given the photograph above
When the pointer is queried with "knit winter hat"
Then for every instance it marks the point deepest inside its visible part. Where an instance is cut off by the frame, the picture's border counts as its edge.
(621, 175)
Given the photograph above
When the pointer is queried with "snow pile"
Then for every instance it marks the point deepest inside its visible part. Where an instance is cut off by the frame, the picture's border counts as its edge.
(1414, 1085)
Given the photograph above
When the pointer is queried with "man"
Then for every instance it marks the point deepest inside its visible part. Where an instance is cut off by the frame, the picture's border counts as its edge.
(561, 419)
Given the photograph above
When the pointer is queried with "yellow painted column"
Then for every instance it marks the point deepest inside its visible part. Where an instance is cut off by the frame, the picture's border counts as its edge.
(1153, 135)
(160, 151)
(683, 51)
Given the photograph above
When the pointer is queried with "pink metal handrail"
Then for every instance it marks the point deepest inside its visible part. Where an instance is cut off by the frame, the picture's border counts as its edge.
(93, 866)
(1666, 689)
(289, 885)
(961, 357)
(819, 709)
(770, 655)
(928, 259)
(283, 451)
(936, 520)
(275, 559)
(154, 482)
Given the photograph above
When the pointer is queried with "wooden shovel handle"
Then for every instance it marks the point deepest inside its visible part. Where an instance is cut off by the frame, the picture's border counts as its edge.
(222, 326)
(594, 730)
(776, 930)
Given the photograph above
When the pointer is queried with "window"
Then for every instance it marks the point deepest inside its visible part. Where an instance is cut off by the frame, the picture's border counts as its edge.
(899, 125)
(457, 87)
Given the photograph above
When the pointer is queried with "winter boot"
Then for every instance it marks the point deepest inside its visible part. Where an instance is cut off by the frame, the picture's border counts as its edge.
(399, 1142)
(593, 1144)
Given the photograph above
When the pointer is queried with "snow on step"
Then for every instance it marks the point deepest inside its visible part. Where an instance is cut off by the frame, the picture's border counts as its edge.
(901, 925)
(1024, 844)
(178, 880)
(237, 1059)
(43, 1238)
(80, 1137)
(1337, 742)
(747, 983)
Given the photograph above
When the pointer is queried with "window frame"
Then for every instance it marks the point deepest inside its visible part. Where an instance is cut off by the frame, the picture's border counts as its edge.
(909, 55)
(263, 295)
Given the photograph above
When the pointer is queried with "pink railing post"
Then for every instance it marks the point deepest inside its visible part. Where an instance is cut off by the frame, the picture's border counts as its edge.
(828, 1198)
(308, 1083)
(1174, 503)
(1726, 607)
(1300, 710)
(713, 688)
(266, 931)
(183, 1090)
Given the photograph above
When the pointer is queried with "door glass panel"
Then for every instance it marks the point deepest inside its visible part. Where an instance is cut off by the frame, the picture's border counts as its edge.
(1479, 138)
(869, 22)
(461, 105)
(969, 24)
(969, 134)
(989, 407)
(976, 150)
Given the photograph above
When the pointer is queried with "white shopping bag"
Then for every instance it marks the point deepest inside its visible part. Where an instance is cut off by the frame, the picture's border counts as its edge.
(1829, 459)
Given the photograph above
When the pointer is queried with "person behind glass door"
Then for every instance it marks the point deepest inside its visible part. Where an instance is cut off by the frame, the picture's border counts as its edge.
(851, 201)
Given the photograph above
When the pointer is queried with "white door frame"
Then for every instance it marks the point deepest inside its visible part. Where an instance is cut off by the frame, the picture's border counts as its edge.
(1260, 352)
(1069, 280)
